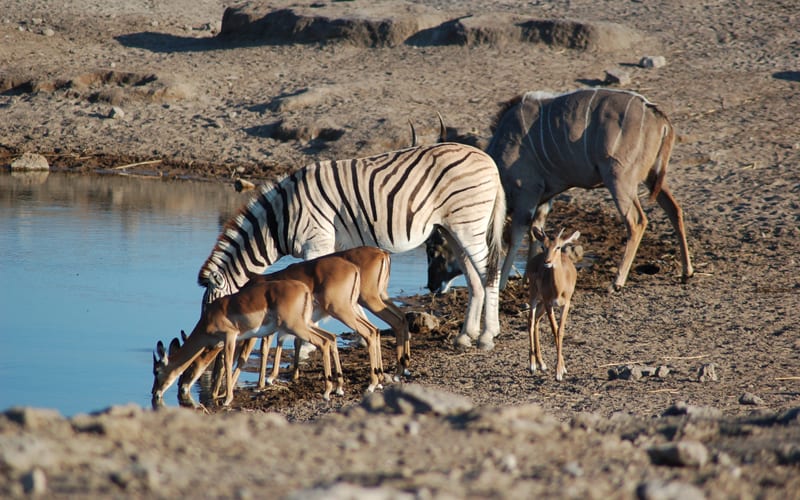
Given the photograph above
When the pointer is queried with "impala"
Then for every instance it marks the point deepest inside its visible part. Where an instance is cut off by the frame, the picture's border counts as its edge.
(258, 309)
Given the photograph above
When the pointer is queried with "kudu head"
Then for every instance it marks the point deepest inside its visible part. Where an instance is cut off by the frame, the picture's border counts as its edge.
(442, 264)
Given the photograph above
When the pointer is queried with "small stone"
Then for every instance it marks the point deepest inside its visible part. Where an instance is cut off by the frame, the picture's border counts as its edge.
(117, 113)
(681, 453)
(707, 373)
(415, 398)
(34, 482)
(30, 161)
(617, 76)
(693, 411)
(48, 32)
(662, 371)
(420, 322)
(653, 62)
(668, 490)
(748, 398)
(573, 469)
(373, 402)
(412, 428)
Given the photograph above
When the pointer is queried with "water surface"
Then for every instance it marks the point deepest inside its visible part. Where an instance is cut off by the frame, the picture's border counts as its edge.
(95, 270)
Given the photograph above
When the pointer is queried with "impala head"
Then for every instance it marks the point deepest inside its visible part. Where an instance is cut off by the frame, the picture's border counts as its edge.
(160, 363)
(553, 246)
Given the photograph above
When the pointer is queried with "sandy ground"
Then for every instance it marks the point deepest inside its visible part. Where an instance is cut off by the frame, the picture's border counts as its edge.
(93, 85)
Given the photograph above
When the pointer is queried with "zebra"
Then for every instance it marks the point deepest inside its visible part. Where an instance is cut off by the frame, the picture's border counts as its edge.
(392, 201)
(546, 143)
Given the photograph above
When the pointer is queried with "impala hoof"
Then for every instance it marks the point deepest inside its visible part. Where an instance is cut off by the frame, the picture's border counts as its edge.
(340, 392)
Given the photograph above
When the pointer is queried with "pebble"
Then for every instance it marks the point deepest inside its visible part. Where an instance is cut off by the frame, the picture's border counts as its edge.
(415, 398)
(652, 62)
(618, 77)
(694, 411)
(748, 398)
(30, 161)
(707, 373)
(117, 113)
(681, 454)
(668, 490)
(34, 482)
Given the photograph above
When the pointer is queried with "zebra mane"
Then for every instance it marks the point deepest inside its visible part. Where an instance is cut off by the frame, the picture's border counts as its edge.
(230, 232)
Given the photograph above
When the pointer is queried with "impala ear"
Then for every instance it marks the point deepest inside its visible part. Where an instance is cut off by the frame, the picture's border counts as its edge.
(160, 349)
(538, 233)
(572, 238)
(174, 346)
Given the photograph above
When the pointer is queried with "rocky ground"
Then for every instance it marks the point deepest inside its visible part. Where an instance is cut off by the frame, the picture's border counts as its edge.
(673, 391)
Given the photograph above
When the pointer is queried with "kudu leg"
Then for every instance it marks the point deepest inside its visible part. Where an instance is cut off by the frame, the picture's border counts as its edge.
(675, 214)
(627, 201)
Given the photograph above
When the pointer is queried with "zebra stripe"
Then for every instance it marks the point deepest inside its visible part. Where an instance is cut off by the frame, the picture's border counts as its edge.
(392, 201)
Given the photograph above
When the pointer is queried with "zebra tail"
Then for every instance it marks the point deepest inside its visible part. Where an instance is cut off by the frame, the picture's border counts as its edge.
(662, 158)
(494, 236)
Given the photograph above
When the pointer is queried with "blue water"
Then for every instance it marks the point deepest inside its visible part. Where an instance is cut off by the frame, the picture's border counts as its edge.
(95, 270)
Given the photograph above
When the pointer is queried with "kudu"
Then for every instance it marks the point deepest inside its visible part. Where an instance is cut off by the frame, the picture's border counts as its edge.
(544, 144)
(258, 309)
(551, 280)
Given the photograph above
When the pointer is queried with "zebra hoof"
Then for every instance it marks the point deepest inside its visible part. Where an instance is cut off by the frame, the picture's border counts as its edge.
(463, 341)
(485, 344)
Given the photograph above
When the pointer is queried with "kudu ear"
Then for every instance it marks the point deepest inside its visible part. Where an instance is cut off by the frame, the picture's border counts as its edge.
(538, 233)
(442, 128)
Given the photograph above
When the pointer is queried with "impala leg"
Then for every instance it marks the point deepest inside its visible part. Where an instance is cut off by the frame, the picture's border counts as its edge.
(190, 376)
(551, 315)
(561, 368)
(675, 214)
(394, 317)
(337, 365)
(298, 344)
(262, 369)
(243, 351)
(535, 315)
(230, 349)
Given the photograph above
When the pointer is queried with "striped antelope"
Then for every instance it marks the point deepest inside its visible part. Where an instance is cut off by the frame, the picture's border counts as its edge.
(544, 144)
(256, 310)
(391, 201)
(338, 282)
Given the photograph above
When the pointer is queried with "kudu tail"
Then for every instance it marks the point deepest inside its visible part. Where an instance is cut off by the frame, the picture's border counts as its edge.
(662, 158)
(494, 236)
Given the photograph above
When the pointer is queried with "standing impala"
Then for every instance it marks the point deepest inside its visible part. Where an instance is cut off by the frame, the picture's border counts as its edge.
(551, 277)
(256, 310)
(339, 282)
